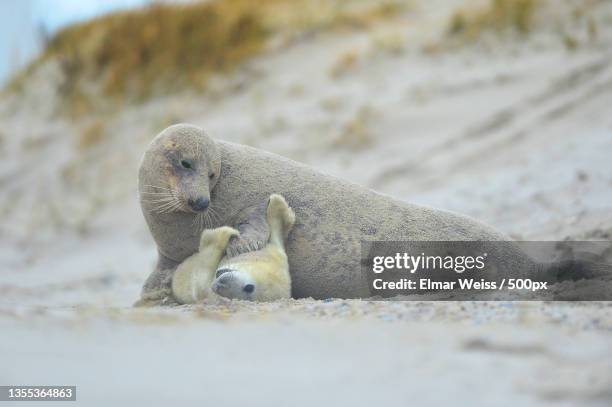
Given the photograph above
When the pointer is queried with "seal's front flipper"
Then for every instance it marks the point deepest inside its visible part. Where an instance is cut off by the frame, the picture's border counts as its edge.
(253, 228)
(157, 288)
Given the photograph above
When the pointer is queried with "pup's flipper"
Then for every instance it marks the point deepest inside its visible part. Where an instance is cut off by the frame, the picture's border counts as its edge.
(193, 277)
(280, 218)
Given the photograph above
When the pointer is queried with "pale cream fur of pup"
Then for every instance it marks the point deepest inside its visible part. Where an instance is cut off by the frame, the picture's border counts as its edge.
(193, 277)
(261, 275)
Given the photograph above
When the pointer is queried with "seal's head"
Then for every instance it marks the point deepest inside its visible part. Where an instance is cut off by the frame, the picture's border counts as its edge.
(179, 170)
(234, 284)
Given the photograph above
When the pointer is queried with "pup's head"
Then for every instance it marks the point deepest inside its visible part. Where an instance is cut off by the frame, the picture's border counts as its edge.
(179, 170)
(234, 284)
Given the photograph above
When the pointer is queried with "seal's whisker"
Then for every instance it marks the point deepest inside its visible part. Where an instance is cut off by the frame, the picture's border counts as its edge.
(167, 207)
(196, 221)
(200, 221)
(174, 207)
(156, 186)
(158, 199)
(211, 210)
(162, 209)
(214, 215)
(156, 193)
(160, 206)
(208, 220)
(167, 199)
(168, 210)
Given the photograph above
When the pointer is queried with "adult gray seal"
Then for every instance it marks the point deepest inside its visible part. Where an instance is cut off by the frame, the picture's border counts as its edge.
(188, 181)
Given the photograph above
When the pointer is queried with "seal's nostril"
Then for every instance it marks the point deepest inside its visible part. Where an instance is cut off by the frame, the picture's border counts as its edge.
(203, 201)
(249, 288)
(199, 204)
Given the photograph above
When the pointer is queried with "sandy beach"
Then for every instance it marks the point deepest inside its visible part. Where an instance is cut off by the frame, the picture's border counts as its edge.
(513, 131)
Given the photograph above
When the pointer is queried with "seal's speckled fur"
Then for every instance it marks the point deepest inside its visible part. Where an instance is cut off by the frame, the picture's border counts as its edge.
(333, 215)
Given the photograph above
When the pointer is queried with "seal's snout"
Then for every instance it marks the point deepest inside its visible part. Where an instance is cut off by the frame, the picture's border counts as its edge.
(223, 283)
(224, 279)
(198, 204)
(233, 284)
(220, 272)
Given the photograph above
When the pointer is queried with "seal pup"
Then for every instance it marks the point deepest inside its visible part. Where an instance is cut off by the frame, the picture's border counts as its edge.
(261, 275)
(192, 279)
(188, 182)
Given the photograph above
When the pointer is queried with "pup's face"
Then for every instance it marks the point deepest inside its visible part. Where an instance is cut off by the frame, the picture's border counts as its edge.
(234, 284)
(182, 169)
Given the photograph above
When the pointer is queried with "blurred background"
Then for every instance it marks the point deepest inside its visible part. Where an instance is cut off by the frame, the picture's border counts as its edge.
(498, 109)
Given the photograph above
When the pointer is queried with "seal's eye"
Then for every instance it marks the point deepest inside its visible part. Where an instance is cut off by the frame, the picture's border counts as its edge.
(186, 164)
(249, 288)
(211, 175)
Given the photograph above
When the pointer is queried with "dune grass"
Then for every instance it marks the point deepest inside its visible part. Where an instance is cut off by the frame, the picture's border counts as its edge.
(163, 48)
(165, 45)
(91, 135)
(498, 15)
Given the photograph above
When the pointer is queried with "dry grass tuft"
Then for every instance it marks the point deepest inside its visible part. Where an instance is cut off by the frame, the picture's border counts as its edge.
(356, 133)
(570, 42)
(169, 45)
(307, 16)
(163, 48)
(92, 134)
(389, 42)
(345, 62)
(499, 15)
